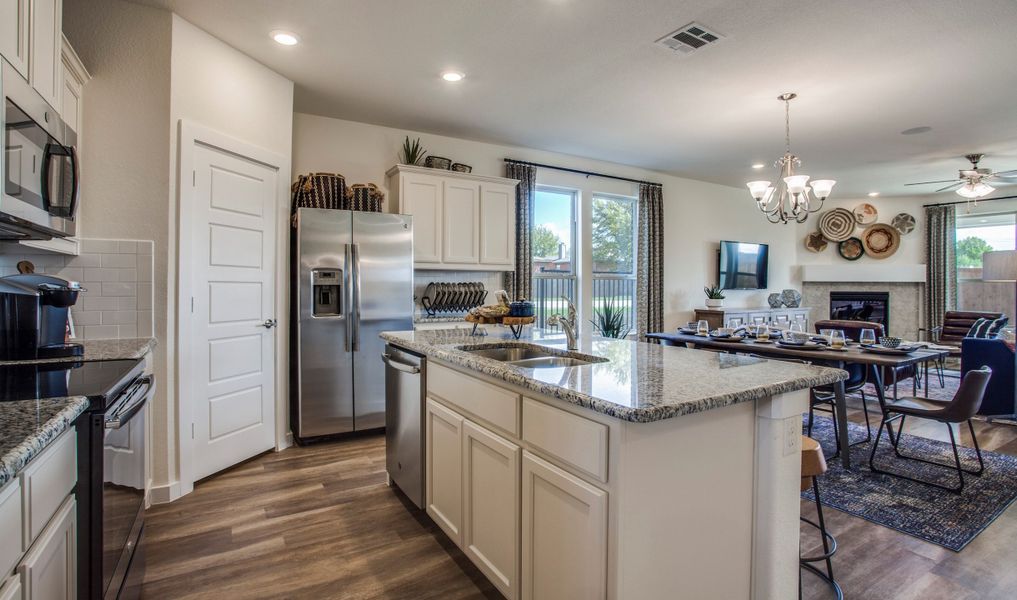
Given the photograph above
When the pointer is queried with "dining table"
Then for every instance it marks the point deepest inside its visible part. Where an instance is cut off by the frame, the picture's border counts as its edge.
(853, 353)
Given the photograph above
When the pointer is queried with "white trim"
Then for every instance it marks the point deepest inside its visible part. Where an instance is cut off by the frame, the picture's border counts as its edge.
(864, 272)
(190, 134)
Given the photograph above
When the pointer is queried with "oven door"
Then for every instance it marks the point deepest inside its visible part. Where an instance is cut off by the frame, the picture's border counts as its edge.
(40, 165)
(123, 485)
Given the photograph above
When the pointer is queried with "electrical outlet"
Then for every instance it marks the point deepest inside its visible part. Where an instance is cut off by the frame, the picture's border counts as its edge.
(792, 436)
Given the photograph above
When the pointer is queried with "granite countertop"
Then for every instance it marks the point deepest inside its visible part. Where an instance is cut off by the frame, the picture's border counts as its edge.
(124, 349)
(28, 426)
(640, 382)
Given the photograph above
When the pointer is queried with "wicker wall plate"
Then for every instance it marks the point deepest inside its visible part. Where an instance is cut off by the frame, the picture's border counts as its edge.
(815, 242)
(837, 225)
(866, 214)
(904, 223)
(880, 240)
(851, 249)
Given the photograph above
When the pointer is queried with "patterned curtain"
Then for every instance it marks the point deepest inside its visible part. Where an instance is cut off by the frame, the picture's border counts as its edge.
(941, 263)
(518, 282)
(650, 258)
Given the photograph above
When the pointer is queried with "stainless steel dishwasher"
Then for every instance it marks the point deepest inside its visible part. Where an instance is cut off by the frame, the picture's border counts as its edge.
(405, 382)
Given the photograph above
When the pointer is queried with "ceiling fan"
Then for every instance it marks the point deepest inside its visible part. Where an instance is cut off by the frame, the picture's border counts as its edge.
(970, 183)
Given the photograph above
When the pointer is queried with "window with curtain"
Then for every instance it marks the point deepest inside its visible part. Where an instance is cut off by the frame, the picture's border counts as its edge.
(553, 243)
(613, 234)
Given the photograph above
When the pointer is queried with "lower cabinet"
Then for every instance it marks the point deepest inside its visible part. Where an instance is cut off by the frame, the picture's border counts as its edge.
(49, 570)
(444, 468)
(491, 506)
(564, 534)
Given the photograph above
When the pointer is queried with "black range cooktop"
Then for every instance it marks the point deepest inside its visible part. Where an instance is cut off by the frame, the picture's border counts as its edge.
(99, 381)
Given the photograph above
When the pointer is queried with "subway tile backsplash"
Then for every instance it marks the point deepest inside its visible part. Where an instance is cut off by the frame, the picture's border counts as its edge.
(117, 277)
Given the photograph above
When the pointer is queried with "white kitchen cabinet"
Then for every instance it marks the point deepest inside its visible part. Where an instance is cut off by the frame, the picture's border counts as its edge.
(73, 78)
(44, 67)
(564, 534)
(497, 224)
(491, 506)
(444, 460)
(461, 221)
(14, 25)
(49, 570)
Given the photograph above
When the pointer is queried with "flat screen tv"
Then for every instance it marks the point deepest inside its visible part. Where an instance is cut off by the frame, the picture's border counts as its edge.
(742, 266)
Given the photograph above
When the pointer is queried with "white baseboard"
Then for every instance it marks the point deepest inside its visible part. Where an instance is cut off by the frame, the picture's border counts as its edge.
(286, 442)
(164, 494)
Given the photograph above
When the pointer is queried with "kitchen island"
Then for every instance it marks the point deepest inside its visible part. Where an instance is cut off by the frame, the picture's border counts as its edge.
(641, 472)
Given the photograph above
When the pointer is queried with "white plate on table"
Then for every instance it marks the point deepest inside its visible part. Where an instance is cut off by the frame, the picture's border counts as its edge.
(902, 351)
(805, 346)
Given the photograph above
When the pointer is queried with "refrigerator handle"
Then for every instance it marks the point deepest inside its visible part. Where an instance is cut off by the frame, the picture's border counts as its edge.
(347, 293)
(356, 296)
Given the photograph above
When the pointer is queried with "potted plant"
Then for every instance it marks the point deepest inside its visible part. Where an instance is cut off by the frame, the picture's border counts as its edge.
(610, 320)
(714, 296)
(413, 152)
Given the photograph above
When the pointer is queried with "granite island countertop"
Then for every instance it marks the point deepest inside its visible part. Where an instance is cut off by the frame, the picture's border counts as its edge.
(123, 349)
(28, 426)
(640, 382)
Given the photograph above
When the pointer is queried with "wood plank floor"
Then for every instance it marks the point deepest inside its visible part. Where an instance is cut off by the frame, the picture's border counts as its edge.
(319, 522)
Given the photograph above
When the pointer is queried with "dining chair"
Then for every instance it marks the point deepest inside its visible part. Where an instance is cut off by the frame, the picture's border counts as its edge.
(961, 408)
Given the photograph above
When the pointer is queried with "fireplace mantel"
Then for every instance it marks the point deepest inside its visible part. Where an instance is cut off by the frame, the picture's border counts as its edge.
(864, 272)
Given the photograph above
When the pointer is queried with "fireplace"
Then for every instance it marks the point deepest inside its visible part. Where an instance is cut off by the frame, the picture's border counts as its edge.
(861, 306)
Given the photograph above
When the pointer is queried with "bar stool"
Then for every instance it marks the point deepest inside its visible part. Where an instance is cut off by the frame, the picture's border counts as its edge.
(814, 465)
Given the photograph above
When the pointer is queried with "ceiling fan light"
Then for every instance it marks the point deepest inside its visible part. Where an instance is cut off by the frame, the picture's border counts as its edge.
(822, 187)
(984, 189)
(968, 191)
(796, 183)
(758, 189)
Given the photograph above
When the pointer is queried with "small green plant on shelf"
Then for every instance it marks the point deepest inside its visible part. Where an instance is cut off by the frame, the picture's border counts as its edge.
(610, 320)
(714, 292)
(413, 152)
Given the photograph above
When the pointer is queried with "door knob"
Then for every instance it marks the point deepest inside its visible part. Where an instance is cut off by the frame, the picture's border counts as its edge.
(269, 323)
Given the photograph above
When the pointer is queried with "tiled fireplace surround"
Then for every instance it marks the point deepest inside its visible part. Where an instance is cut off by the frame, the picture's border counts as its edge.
(907, 303)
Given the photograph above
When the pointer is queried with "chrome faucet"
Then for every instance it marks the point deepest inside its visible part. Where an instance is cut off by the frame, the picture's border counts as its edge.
(568, 324)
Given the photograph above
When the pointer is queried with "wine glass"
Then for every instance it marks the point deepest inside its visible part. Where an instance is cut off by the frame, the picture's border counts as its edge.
(836, 339)
(826, 333)
(702, 327)
(797, 326)
(868, 337)
(762, 333)
(734, 322)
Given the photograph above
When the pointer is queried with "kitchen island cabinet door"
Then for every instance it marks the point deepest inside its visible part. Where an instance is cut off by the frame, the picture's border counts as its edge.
(444, 489)
(49, 571)
(491, 509)
(564, 535)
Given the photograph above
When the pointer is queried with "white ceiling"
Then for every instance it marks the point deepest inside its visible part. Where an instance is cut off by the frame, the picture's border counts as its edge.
(584, 77)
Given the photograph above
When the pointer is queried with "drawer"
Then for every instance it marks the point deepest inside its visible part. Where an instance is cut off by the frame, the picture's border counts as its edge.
(45, 483)
(495, 405)
(576, 441)
(10, 525)
(11, 588)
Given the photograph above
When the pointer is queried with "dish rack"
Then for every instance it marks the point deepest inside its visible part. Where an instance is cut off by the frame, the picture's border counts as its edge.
(452, 297)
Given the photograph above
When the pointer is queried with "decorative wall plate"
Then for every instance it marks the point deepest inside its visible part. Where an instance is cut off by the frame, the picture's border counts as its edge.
(851, 249)
(904, 223)
(815, 242)
(866, 214)
(880, 240)
(837, 225)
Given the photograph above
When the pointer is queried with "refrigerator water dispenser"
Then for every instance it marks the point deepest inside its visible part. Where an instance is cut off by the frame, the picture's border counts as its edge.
(326, 286)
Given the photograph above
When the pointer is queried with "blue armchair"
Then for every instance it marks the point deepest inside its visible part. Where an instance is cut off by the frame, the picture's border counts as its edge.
(1001, 394)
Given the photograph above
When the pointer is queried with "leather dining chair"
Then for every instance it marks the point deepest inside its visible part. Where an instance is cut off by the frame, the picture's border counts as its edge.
(961, 408)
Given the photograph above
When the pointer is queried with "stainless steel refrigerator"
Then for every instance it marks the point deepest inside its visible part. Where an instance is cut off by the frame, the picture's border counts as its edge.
(352, 279)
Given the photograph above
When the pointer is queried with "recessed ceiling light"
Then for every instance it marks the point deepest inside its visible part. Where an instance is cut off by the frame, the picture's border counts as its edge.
(758, 166)
(285, 38)
(873, 194)
(983, 220)
(452, 76)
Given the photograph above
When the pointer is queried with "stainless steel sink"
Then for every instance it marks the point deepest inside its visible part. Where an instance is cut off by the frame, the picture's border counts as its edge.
(533, 357)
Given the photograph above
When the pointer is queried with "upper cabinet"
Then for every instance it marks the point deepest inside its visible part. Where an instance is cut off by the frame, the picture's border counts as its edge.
(460, 221)
(74, 78)
(30, 40)
(14, 34)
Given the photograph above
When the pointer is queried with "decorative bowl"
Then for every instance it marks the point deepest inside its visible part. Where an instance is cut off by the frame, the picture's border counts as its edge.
(461, 168)
(796, 337)
(437, 162)
(889, 342)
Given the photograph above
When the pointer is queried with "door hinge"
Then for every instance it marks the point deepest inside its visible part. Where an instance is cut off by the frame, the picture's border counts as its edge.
(192, 304)
(194, 178)
(192, 431)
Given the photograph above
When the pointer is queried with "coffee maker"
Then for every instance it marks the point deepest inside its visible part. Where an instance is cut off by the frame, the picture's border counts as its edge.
(33, 317)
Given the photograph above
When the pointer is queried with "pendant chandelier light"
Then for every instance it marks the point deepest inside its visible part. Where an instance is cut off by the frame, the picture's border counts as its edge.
(791, 198)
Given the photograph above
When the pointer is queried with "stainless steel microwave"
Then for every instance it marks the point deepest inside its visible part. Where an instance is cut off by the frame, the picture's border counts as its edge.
(39, 164)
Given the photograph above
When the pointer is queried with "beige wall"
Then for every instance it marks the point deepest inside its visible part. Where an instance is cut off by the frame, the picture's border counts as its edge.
(125, 153)
(151, 69)
(697, 215)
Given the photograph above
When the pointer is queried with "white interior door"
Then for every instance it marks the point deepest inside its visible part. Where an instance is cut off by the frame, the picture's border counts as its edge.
(233, 279)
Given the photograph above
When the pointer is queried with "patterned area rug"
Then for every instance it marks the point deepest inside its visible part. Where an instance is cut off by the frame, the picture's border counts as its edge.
(944, 518)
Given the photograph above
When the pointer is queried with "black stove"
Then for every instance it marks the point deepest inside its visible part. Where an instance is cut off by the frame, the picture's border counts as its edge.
(101, 381)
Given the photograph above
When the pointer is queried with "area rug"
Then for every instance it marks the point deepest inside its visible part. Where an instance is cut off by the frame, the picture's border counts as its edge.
(944, 518)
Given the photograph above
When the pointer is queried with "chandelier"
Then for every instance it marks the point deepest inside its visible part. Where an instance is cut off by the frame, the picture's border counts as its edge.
(791, 198)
